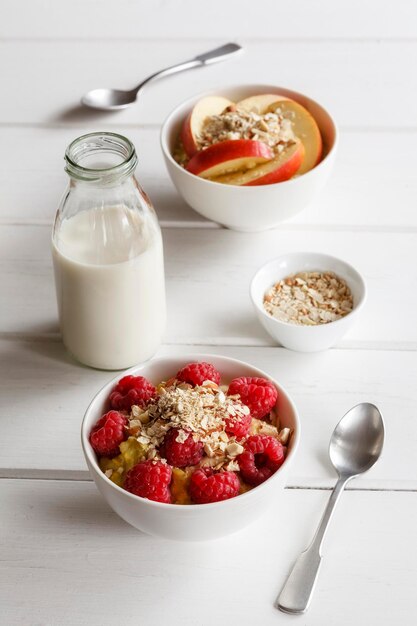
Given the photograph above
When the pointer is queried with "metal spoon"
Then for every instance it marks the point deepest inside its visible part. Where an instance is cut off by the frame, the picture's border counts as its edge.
(355, 446)
(114, 99)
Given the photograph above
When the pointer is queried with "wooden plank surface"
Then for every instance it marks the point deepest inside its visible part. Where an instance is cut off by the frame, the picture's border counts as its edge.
(183, 19)
(211, 270)
(68, 559)
(360, 98)
(356, 195)
(44, 393)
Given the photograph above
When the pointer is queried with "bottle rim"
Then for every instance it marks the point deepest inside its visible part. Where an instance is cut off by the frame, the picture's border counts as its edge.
(99, 143)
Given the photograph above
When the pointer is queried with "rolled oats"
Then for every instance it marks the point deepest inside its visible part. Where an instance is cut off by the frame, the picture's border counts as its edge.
(202, 410)
(273, 128)
(309, 298)
(233, 123)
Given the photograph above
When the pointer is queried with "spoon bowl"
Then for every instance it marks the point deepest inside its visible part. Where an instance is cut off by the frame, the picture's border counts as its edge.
(355, 445)
(109, 99)
(357, 440)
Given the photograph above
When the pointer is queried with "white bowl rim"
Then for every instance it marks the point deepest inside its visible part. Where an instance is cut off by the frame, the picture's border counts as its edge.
(254, 188)
(311, 255)
(188, 358)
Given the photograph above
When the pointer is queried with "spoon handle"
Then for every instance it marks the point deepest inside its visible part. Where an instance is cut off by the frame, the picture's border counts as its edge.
(212, 56)
(297, 592)
(219, 54)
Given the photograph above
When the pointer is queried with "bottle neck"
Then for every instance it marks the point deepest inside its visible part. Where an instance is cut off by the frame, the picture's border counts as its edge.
(100, 159)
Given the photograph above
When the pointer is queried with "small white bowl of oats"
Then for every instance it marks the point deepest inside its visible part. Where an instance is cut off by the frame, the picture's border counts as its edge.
(307, 301)
(250, 156)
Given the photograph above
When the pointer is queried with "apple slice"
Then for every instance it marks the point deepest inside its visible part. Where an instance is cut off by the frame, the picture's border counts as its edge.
(305, 128)
(281, 168)
(193, 124)
(259, 104)
(229, 156)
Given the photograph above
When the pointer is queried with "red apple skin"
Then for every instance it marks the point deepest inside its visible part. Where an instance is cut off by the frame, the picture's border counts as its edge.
(277, 170)
(227, 152)
(285, 172)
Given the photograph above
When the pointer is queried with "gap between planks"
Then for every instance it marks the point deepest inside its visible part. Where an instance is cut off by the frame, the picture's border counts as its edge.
(208, 225)
(214, 40)
(83, 477)
(382, 346)
(153, 126)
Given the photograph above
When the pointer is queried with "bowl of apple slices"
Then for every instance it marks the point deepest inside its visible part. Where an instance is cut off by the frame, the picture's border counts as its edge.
(249, 157)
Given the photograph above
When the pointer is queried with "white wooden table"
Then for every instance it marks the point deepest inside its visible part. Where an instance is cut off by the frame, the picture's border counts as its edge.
(65, 558)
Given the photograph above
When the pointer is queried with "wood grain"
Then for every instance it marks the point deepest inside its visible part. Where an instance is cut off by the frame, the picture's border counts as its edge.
(44, 393)
(184, 19)
(51, 75)
(33, 180)
(68, 559)
(210, 271)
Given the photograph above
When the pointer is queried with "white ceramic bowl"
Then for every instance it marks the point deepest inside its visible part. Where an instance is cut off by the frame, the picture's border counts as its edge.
(306, 338)
(201, 521)
(249, 208)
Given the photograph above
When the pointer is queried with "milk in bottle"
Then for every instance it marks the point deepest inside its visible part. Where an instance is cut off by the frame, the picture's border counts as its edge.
(108, 257)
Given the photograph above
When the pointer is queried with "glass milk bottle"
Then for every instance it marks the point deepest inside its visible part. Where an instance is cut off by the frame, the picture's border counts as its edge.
(108, 257)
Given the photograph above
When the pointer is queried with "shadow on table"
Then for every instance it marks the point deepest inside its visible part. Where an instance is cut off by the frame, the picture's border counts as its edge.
(322, 457)
(78, 113)
(45, 342)
(78, 503)
(54, 350)
(243, 326)
(50, 369)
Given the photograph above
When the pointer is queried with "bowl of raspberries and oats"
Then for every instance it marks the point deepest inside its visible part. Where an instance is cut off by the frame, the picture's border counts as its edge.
(191, 448)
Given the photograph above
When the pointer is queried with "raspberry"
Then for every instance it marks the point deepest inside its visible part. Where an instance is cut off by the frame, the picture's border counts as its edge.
(258, 394)
(196, 373)
(108, 433)
(239, 427)
(262, 457)
(206, 486)
(189, 452)
(150, 479)
(131, 390)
